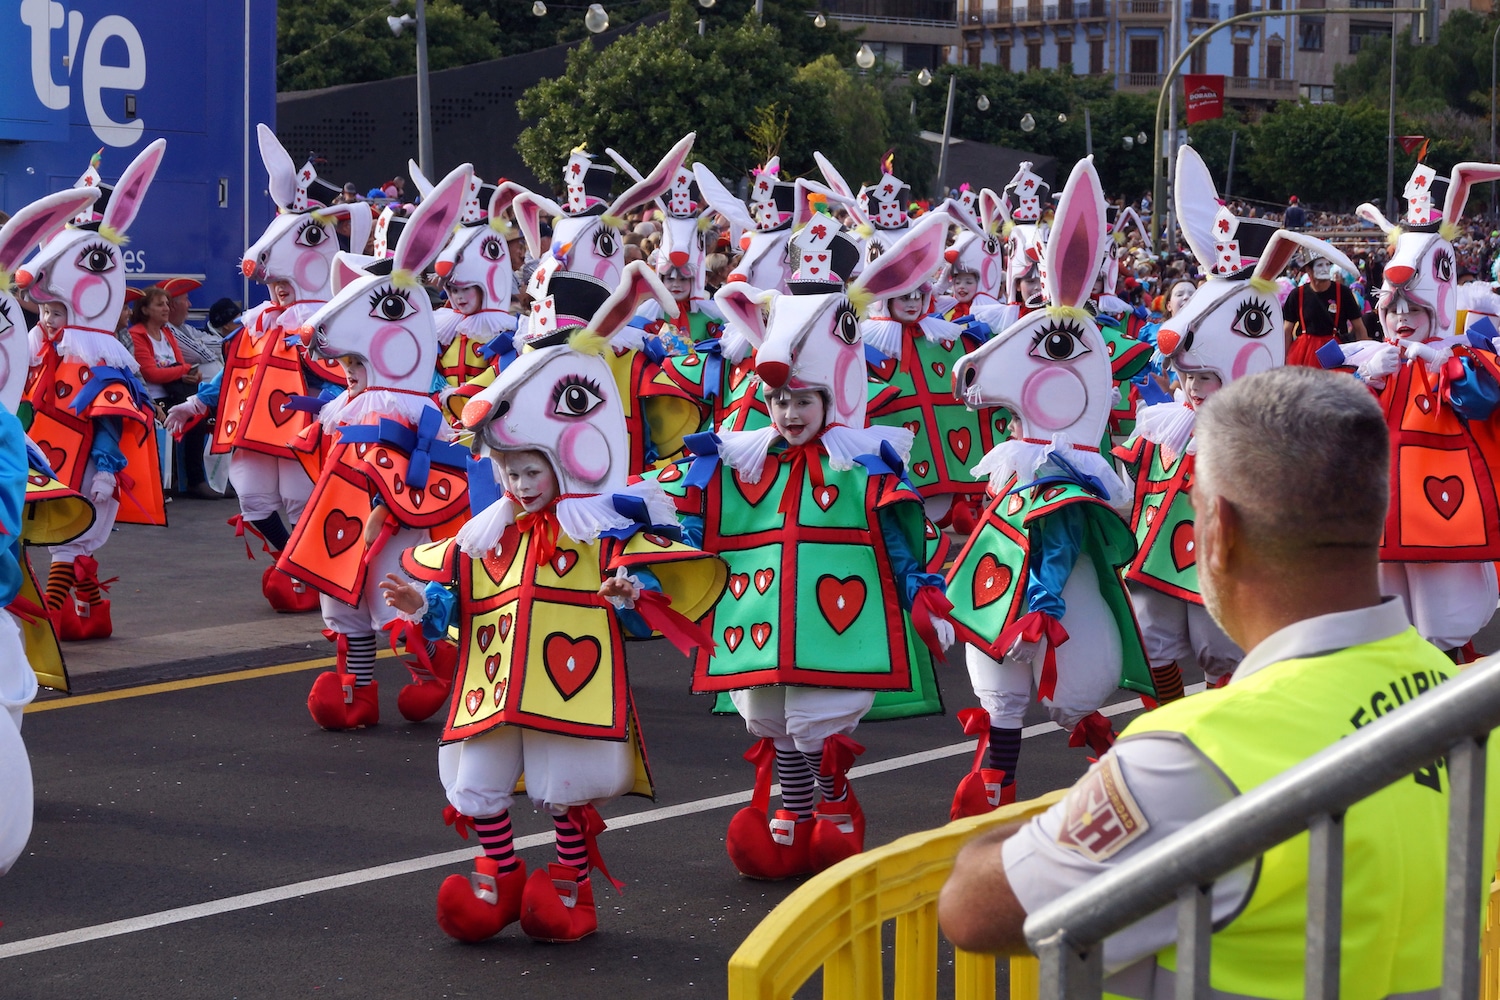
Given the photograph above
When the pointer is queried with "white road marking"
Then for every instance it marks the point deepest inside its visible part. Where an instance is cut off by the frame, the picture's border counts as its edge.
(263, 897)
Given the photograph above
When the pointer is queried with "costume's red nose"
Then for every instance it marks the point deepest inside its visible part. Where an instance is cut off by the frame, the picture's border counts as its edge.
(443, 267)
(24, 279)
(679, 258)
(1167, 341)
(951, 256)
(737, 276)
(773, 373)
(247, 267)
(1399, 274)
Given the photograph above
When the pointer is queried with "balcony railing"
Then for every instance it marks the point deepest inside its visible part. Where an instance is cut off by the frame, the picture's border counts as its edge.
(1152, 80)
(1036, 13)
(896, 11)
(1261, 86)
(1157, 7)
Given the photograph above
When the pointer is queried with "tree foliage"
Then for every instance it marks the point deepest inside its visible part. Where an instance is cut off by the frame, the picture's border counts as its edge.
(1329, 154)
(1447, 75)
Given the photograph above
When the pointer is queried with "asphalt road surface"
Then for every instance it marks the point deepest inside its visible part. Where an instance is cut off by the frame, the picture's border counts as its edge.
(202, 838)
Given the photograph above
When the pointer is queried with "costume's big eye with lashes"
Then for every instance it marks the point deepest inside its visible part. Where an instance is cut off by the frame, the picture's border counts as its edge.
(390, 304)
(846, 325)
(312, 235)
(96, 259)
(491, 248)
(1059, 343)
(1251, 319)
(1442, 267)
(605, 242)
(575, 397)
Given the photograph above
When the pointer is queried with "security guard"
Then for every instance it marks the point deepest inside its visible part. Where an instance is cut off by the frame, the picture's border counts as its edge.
(1291, 575)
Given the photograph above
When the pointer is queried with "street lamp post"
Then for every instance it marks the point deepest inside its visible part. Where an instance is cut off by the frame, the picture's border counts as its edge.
(424, 97)
(942, 191)
(1493, 39)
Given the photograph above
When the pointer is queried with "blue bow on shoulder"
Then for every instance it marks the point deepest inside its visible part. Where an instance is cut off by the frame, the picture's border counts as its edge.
(421, 446)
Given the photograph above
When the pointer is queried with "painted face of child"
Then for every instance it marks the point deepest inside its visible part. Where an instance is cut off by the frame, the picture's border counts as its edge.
(1181, 293)
(466, 300)
(964, 286)
(529, 478)
(908, 308)
(1198, 386)
(678, 284)
(52, 315)
(354, 371)
(283, 292)
(798, 415)
(1029, 289)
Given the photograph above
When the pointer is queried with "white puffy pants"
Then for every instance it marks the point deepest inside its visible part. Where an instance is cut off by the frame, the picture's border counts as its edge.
(1088, 664)
(372, 613)
(1178, 631)
(93, 540)
(479, 775)
(1447, 602)
(801, 717)
(268, 485)
(17, 688)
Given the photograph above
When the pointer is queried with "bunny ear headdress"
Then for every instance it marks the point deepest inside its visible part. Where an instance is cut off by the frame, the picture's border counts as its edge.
(291, 189)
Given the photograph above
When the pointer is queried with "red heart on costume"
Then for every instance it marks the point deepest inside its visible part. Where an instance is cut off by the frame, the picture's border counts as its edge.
(113, 397)
(733, 636)
(841, 601)
(485, 635)
(763, 578)
(505, 621)
(1424, 403)
(760, 633)
(1014, 504)
(913, 425)
(37, 479)
(824, 496)
(991, 580)
(1445, 495)
(241, 383)
(564, 560)
(440, 489)
(500, 692)
(55, 456)
(1002, 424)
(737, 374)
(690, 361)
(738, 584)
(63, 389)
(474, 701)
(885, 371)
(754, 493)
(1184, 547)
(276, 402)
(670, 474)
(959, 441)
(383, 459)
(229, 426)
(1052, 493)
(571, 663)
(920, 468)
(1150, 515)
(341, 532)
(939, 369)
(657, 540)
(492, 665)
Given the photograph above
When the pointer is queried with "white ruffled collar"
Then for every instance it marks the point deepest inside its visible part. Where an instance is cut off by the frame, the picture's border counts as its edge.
(745, 451)
(87, 346)
(1025, 460)
(373, 404)
(884, 334)
(582, 517)
(1169, 426)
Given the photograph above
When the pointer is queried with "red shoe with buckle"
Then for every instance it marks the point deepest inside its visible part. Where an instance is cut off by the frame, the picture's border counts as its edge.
(557, 905)
(483, 904)
(337, 704)
(980, 792)
(1094, 730)
(420, 701)
(838, 831)
(287, 594)
(779, 850)
(78, 620)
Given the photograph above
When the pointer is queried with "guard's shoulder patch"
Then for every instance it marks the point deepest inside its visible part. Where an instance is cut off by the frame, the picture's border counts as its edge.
(1101, 817)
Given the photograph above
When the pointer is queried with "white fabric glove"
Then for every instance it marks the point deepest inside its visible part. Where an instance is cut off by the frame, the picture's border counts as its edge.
(1024, 651)
(1432, 357)
(179, 416)
(626, 603)
(944, 629)
(102, 487)
(1382, 362)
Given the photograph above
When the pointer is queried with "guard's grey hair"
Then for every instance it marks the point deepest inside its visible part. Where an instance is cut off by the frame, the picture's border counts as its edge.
(1303, 456)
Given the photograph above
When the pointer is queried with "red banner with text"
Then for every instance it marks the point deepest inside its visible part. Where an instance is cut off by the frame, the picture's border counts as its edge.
(1205, 96)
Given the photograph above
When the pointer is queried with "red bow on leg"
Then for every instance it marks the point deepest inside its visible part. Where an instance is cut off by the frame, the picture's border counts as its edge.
(1034, 627)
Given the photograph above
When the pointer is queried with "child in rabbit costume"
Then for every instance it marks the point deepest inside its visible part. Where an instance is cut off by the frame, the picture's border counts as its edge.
(1036, 592)
(825, 542)
(1230, 328)
(271, 440)
(544, 585)
(1439, 391)
(393, 478)
(91, 416)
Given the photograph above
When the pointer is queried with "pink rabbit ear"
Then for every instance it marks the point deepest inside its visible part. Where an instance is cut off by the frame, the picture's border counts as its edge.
(909, 263)
(1375, 216)
(39, 222)
(991, 210)
(505, 194)
(529, 206)
(130, 191)
(656, 183)
(1465, 176)
(346, 271)
(1075, 247)
(1284, 243)
(637, 284)
(429, 227)
(742, 303)
(279, 167)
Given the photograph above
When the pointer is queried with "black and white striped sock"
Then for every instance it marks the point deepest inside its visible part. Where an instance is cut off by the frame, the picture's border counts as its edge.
(495, 837)
(826, 782)
(796, 782)
(361, 659)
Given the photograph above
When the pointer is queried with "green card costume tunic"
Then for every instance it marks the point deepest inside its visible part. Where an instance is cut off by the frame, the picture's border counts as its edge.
(730, 388)
(1166, 554)
(812, 597)
(1128, 357)
(988, 581)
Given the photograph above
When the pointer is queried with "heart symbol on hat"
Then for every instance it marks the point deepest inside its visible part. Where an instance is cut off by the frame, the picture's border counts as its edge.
(991, 581)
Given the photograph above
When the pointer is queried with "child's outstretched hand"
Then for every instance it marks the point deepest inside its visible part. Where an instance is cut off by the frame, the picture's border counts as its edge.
(401, 594)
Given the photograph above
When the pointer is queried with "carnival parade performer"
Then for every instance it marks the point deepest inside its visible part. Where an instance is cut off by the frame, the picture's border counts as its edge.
(544, 585)
(825, 542)
(1036, 592)
(92, 418)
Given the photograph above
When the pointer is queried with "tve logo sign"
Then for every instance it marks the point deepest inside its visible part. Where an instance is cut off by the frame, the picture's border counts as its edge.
(55, 33)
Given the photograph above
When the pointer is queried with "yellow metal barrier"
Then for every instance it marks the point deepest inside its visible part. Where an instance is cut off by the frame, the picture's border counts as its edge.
(1489, 946)
(834, 922)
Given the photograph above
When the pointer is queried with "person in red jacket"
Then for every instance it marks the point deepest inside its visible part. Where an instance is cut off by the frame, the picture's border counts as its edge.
(169, 380)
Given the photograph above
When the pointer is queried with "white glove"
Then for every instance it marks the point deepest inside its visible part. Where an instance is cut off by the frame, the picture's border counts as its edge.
(1382, 362)
(102, 487)
(1432, 357)
(944, 629)
(179, 416)
(1024, 651)
(626, 603)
